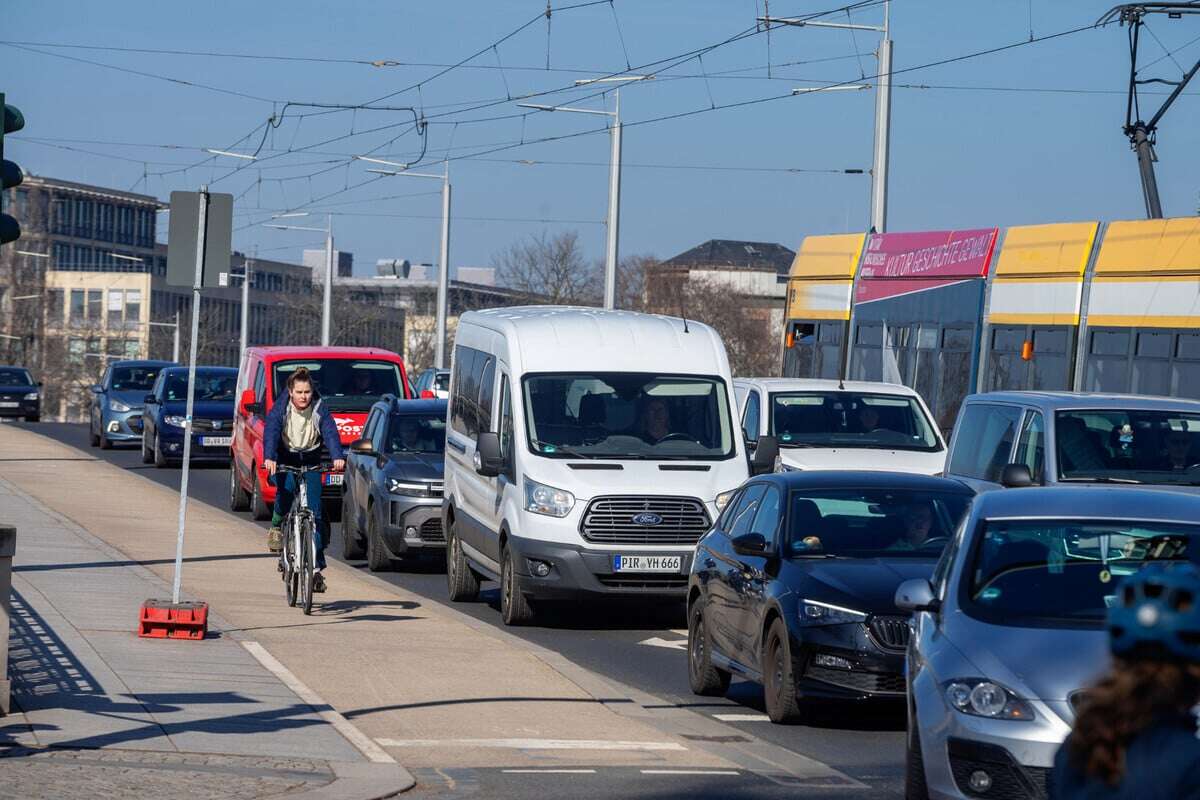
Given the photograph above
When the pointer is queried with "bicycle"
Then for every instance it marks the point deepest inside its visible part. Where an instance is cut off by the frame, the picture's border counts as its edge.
(298, 558)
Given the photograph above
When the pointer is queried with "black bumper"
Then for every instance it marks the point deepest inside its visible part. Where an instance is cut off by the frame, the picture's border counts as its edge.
(861, 670)
(414, 524)
(577, 572)
(24, 408)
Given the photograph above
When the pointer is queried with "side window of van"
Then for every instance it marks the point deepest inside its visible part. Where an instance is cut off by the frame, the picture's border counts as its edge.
(487, 390)
(750, 417)
(260, 386)
(506, 427)
(462, 411)
(984, 441)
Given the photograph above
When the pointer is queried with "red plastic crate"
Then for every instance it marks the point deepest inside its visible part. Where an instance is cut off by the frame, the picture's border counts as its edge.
(161, 619)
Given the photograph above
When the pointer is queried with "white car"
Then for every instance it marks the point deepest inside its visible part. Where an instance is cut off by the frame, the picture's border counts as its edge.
(827, 424)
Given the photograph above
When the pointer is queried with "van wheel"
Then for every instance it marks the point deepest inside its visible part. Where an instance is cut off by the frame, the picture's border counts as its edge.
(705, 679)
(258, 507)
(514, 605)
(779, 678)
(239, 500)
(147, 456)
(462, 582)
(377, 554)
(352, 544)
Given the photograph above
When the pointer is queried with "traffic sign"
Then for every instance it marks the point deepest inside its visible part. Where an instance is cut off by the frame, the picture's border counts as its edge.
(183, 233)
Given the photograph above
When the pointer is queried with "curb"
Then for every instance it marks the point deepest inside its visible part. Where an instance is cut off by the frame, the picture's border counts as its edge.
(361, 781)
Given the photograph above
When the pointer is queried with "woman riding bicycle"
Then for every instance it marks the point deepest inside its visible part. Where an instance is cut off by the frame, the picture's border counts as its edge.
(296, 428)
(1135, 734)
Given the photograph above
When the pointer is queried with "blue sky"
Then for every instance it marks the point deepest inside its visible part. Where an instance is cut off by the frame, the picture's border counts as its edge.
(962, 157)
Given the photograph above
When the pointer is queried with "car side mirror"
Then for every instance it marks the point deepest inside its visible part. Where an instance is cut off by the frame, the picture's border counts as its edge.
(97, 388)
(427, 394)
(1016, 476)
(250, 404)
(916, 594)
(763, 460)
(362, 446)
(39, 383)
(149, 400)
(488, 460)
(752, 544)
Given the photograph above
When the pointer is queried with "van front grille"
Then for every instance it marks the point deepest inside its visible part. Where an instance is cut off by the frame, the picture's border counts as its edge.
(644, 520)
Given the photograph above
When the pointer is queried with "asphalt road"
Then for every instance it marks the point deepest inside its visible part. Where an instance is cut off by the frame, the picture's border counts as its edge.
(864, 743)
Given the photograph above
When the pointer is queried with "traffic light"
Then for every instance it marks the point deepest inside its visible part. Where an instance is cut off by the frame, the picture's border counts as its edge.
(10, 173)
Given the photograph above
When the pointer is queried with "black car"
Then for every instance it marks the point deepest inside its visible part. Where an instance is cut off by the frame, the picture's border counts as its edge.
(392, 494)
(19, 394)
(794, 586)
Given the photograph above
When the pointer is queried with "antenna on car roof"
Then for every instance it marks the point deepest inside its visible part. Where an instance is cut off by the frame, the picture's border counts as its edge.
(683, 310)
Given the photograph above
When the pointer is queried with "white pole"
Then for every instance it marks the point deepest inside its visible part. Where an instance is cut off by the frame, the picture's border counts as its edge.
(883, 130)
(175, 346)
(245, 307)
(614, 209)
(443, 273)
(327, 305)
(201, 234)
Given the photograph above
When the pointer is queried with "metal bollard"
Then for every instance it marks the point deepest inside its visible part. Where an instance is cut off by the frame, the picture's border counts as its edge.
(8, 548)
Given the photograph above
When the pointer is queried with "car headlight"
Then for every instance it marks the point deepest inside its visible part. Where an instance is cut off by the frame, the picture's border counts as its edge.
(983, 698)
(543, 499)
(783, 467)
(174, 421)
(31, 396)
(116, 405)
(407, 487)
(813, 612)
(723, 499)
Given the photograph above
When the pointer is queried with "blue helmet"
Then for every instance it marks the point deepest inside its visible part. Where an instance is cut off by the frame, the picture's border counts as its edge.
(1157, 613)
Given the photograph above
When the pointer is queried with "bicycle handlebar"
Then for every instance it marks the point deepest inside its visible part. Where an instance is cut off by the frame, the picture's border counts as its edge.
(325, 467)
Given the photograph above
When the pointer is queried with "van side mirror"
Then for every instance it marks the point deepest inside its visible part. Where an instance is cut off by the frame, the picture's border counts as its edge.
(149, 399)
(249, 403)
(916, 594)
(1016, 476)
(752, 544)
(763, 460)
(362, 446)
(488, 460)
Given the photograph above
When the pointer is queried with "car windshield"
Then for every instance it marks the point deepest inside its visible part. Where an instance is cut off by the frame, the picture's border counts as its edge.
(210, 385)
(851, 419)
(1058, 571)
(416, 433)
(10, 376)
(441, 381)
(1135, 446)
(345, 384)
(130, 379)
(871, 523)
(628, 415)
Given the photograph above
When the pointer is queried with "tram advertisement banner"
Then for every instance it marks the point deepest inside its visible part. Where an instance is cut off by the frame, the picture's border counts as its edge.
(901, 263)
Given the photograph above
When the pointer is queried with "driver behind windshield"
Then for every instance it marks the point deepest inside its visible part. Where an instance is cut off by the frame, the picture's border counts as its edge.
(656, 421)
(917, 520)
(361, 383)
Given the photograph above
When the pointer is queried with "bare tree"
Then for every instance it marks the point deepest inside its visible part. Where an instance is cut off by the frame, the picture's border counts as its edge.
(631, 281)
(360, 319)
(550, 269)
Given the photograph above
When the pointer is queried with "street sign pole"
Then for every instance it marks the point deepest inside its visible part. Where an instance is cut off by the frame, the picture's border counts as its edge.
(191, 394)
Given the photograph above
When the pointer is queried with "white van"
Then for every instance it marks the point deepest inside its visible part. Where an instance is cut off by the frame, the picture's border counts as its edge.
(826, 424)
(587, 452)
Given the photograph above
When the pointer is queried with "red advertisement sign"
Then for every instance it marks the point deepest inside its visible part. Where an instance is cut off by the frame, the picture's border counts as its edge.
(900, 263)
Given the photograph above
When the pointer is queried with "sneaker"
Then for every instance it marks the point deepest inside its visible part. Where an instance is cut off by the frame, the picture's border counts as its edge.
(318, 583)
(274, 540)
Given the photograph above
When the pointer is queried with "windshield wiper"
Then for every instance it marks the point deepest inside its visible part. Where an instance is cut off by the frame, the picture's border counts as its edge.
(1101, 479)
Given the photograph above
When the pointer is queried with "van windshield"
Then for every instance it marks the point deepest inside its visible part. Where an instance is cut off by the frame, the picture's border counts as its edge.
(851, 419)
(345, 384)
(1137, 446)
(628, 416)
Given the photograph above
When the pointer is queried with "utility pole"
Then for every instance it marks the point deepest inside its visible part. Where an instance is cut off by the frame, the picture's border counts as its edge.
(1142, 134)
(614, 207)
(327, 302)
(443, 272)
(245, 305)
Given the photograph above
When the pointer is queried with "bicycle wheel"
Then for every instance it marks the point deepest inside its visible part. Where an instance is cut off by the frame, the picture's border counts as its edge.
(291, 572)
(308, 560)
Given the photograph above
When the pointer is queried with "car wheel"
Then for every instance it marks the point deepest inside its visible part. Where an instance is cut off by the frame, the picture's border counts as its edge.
(147, 456)
(239, 500)
(258, 507)
(915, 787)
(779, 679)
(352, 543)
(160, 459)
(33, 418)
(105, 442)
(705, 679)
(514, 605)
(462, 582)
(377, 554)
(93, 437)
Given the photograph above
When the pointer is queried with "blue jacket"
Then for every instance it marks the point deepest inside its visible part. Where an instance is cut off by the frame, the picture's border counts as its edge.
(273, 432)
(1162, 763)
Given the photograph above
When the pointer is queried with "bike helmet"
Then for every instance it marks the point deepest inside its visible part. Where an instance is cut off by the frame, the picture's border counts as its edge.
(1157, 613)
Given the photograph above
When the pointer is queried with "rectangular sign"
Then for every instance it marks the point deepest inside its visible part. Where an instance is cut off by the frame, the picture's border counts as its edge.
(900, 263)
(183, 233)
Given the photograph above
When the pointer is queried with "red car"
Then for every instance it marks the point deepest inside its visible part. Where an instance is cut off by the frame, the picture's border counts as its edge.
(349, 381)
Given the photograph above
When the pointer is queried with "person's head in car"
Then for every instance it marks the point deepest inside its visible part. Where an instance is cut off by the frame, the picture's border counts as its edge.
(1179, 449)
(360, 382)
(656, 420)
(409, 434)
(917, 519)
(868, 418)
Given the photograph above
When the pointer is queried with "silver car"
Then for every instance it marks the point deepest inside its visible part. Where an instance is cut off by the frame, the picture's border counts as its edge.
(1010, 629)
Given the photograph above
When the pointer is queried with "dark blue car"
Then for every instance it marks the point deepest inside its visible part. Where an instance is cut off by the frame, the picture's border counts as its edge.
(19, 394)
(212, 415)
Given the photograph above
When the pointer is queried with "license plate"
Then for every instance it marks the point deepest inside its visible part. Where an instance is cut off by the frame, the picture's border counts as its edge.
(647, 563)
(332, 478)
(216, 441)
(9, 404)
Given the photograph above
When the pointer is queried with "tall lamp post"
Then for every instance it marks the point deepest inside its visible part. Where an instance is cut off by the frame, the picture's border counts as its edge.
(327, 299)
(439, 356)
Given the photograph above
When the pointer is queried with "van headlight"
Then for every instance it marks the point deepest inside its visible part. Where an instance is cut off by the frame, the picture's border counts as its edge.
(813, 612)
(980, 697)
(116, 405)
(543, 499)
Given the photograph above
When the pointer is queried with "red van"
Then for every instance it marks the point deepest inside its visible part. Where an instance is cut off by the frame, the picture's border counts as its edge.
(349, 380)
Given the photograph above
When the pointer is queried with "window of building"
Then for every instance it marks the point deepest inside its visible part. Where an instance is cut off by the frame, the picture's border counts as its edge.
(62, 256)
(78, 313)
(54, 306)
(115, 308)
(76, 347)
(95, 300)
(133, 307)
(133, 348)
(105, 214)
(115, 346)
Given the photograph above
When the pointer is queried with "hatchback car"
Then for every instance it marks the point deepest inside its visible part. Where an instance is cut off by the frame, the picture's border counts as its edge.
(392, 496)
(433, 383)
(1009, 631)
(794, 586)
(115, 413)
(19, 394)
(212, 415)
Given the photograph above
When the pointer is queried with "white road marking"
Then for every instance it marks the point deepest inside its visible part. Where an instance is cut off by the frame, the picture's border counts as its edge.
(533, 744)
(655, 641)
(549, 771)
(342, 725)
(690, 772)
(679, 631)
(742, 717)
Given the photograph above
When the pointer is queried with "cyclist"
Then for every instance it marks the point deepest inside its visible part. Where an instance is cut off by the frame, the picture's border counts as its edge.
(1135, 734)
(296, 428)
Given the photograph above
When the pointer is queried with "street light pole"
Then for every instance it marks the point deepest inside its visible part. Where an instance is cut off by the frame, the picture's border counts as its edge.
(614, 208)
(883, 129)
(327, 303)
(175, 344)
(245, 307)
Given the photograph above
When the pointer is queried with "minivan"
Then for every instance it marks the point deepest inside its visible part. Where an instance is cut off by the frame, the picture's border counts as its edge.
(348, 380)
(587, 452)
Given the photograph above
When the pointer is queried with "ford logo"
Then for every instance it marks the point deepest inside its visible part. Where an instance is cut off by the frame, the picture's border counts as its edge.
(646, 518)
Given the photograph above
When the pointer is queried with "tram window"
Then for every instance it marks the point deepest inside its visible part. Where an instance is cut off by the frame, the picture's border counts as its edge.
(957, 338)
(1049, 341)
(1008, 340)
(956, 383)
(1108, 374)
(1187, 379)
(1110, 343)
(927, 339)
(1189, 346)
(1154, 344)
(1151, 376)
(870, 335)
(829, 332)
